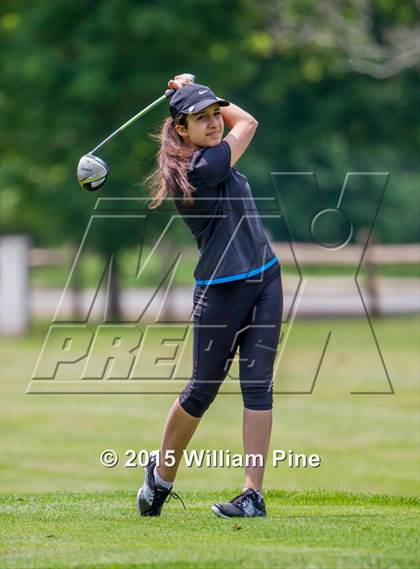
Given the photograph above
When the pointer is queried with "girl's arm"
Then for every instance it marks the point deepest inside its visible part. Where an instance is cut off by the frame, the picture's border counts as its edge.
(242, 125)
(242, 129)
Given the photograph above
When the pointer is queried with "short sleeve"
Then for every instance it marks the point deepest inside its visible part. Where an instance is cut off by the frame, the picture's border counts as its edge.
(210, 166)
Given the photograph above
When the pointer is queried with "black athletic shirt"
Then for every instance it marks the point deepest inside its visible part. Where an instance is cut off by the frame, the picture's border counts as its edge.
(223, 219)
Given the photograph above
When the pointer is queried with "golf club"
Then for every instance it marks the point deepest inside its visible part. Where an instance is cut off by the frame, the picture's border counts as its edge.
(92, 171)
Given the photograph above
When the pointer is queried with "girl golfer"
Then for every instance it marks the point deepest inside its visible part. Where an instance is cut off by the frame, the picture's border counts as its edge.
(238, 298)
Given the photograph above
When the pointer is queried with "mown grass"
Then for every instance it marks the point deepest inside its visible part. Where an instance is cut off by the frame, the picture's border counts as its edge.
(61, 508)
(302, 530)
(367, 443)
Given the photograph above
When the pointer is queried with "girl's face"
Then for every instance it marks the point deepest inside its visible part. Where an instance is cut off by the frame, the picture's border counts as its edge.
(204, 128)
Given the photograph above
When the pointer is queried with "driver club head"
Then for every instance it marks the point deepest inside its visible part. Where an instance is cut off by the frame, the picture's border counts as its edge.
(92, 172)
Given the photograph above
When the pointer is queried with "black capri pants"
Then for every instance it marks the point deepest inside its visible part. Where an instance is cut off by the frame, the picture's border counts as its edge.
(245, 314)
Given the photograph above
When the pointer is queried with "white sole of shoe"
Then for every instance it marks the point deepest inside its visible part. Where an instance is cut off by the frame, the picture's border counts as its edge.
(218, 513)
(152, 453)
(140, 489)
(137, 500)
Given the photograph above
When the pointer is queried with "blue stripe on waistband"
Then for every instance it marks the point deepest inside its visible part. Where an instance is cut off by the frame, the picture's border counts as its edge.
(240, 276)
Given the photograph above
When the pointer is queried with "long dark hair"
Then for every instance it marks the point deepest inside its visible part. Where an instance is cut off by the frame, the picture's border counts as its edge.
(172, 159)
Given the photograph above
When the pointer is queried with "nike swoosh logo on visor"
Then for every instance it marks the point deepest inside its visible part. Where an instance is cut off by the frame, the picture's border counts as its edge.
(201, 92)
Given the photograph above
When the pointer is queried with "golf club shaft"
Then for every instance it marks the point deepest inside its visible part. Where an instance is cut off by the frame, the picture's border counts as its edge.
(168, 93)
(130, 121)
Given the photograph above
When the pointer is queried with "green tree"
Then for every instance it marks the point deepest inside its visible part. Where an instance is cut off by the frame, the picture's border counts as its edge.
(332, 85)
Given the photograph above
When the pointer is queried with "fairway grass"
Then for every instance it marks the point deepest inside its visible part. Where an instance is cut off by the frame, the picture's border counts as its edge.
(303, 530)
(62, 508)
(367, 443)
